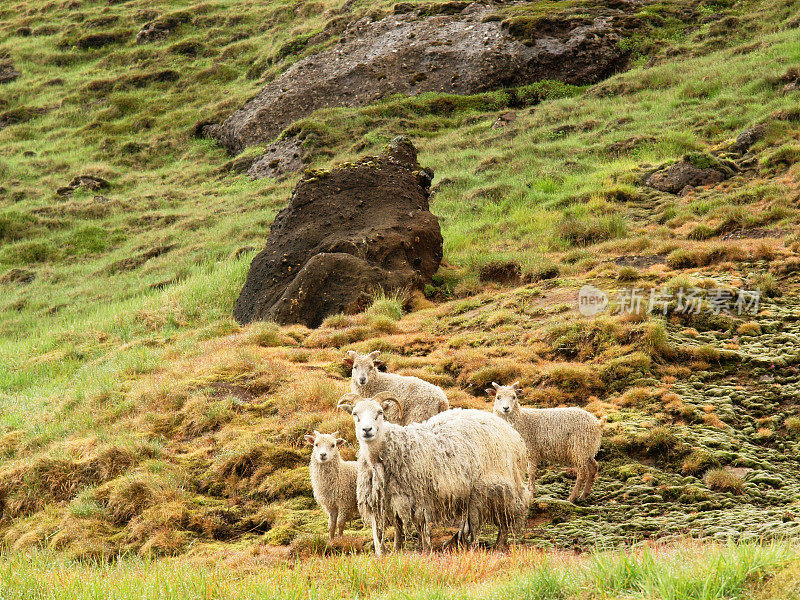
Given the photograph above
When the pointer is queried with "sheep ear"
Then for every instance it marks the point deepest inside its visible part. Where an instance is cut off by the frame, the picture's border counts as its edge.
(348, 361)
(347, 401)
(309, 440)
(515, 385)
(340, 442)
(491, 392)
(335, 433)
(378, 363)
(352, 353)
(373, 355)
(496, 385)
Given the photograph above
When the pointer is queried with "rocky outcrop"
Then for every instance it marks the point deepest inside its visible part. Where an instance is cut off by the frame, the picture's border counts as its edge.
(345, 234)
(751, 135)
(464, 53)
(281, 158)
(680, 175)
(691, 171)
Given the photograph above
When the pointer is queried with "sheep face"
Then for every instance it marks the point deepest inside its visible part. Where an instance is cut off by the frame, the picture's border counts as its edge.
(365, 366)
(326, 446)
(368, 418)
(506, 403)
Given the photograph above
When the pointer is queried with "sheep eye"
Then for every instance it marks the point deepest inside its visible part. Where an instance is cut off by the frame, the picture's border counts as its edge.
(380, 413)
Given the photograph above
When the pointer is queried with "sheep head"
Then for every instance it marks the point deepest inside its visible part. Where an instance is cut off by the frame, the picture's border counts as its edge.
(365, 366)
(368, 416)
(506, 402)
(325, 445)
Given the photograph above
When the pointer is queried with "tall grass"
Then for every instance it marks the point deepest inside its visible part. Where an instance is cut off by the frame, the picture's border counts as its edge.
(684, 572)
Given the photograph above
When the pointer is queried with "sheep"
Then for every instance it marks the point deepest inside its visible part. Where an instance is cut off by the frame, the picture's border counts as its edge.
(462, 464)
(333, 481)
(417, 399)
(568, 436)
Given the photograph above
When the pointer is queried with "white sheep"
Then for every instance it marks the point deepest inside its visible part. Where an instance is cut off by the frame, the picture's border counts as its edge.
(417, 399)
(333, 481)
(461, 464)
(565, 436)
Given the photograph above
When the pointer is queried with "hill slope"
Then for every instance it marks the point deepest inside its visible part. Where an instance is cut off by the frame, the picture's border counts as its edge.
(137, 416)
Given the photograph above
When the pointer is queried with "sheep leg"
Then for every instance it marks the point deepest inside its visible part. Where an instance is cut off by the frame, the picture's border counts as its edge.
(423, 525)
(502, 536)
(332, 516)
(593, 468)
(579, 481)
(340, 522)
(398, 535)
(532, 466)
(376, 537)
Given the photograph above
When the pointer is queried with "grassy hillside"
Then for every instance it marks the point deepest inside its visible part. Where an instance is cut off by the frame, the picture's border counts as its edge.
(136, 417)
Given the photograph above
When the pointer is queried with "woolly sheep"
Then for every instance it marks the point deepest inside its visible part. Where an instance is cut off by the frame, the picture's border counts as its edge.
(566, 436)
(333, 480)
(461, 464)
(417, 400)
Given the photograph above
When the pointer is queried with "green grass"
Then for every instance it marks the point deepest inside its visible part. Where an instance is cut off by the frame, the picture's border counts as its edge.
(683, 573)
(503, 196)
(124, 339)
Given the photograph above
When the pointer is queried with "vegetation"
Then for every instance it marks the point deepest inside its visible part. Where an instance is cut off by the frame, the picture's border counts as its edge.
(138, 420)
(691, 573)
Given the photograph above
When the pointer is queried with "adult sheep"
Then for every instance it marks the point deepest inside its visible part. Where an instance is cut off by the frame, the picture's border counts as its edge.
(462, 464)
(566, 436)
(416, 399)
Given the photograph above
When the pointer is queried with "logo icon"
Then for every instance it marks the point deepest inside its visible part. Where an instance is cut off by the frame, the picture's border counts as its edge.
(591, 301)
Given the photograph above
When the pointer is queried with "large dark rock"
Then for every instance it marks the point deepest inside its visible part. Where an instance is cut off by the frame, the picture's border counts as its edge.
(463, 53)
(346, 233)
(749, 136)
(675, 178)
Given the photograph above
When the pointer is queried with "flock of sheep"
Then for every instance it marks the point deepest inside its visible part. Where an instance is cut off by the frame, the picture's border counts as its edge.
(420, 462)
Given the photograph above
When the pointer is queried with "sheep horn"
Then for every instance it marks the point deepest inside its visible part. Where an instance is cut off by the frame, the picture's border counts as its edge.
(346, 402)
(383, 397)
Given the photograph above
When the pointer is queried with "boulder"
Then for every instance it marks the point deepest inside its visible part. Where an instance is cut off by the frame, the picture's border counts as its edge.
(749, 136)
(684, 174)
(346, 233)
(410, 53)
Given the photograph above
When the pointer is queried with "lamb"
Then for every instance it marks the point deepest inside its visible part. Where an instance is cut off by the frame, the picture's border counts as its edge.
(568, 436)
(417, 399)
(333, 481)
(461, 464)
